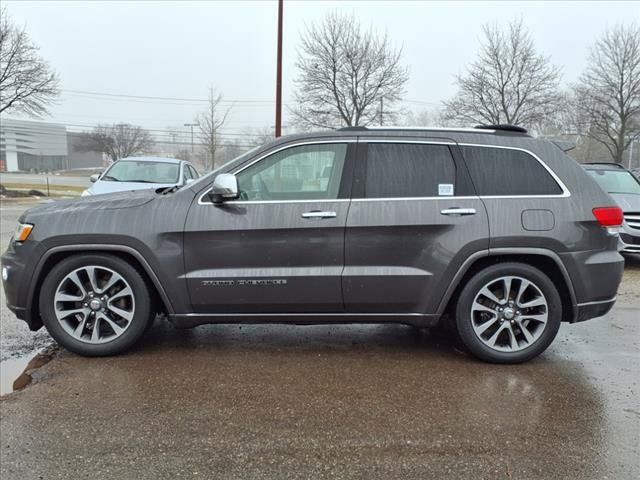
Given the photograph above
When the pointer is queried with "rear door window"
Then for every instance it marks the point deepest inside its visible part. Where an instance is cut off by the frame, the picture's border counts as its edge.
(507, 172)
(409, 170)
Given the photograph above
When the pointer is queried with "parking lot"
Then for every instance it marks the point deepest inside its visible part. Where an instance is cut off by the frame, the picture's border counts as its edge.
(375, 401)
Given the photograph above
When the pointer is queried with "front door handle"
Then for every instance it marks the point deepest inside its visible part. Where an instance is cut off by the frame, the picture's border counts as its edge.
(458, 211)
(319, 214)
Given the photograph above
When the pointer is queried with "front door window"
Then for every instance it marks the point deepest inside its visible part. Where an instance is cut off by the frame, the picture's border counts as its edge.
(305, 172)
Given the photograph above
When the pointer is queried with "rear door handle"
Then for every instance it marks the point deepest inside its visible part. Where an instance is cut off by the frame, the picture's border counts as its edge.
(318, 214)
(458, 211)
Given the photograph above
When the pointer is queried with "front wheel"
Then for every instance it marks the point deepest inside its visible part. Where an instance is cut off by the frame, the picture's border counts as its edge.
(95, 305)
(508, 313)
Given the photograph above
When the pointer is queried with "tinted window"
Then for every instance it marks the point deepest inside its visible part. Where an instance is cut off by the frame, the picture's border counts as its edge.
(409, 170)
(305, 172)
(501, 171)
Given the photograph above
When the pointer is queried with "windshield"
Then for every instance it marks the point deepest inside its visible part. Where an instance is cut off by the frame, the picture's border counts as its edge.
(142, 171)
(616, 181)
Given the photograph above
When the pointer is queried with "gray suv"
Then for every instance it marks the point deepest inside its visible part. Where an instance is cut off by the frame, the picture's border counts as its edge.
(500, 234)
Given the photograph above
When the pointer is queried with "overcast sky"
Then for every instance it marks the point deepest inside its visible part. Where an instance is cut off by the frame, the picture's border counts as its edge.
(178, 49)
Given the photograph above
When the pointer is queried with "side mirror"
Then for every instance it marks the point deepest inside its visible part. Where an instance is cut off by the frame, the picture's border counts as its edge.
(94, 178)
(188, 181)
(225, 187)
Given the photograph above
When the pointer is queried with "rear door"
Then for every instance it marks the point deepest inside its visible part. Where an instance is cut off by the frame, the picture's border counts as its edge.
(280, 247)
(413, 220)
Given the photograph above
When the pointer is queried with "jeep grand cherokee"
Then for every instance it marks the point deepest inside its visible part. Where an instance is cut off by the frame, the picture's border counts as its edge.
(497, 232)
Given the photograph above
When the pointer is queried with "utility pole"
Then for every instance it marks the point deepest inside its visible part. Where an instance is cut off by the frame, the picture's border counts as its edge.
(279, 74)
(191, 125)
(381, 105)
(631, 153)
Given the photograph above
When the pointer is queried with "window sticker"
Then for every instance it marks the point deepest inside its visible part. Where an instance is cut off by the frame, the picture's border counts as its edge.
(445, 189)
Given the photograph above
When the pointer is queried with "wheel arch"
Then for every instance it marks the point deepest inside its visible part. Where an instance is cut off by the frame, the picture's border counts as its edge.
(55, 255)
(546, 261)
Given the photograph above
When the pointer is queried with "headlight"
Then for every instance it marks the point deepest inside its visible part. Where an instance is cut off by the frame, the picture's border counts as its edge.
(22, 232)
(85, 193)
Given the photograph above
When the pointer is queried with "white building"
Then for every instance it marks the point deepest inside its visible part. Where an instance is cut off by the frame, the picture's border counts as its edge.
(27, 145)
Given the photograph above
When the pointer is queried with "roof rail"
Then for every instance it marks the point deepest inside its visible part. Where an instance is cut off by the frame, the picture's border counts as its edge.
(484, 128)
(505, 127)
(359, 128)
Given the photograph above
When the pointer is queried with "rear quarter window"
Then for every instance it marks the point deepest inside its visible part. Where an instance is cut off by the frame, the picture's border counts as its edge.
(504, 171)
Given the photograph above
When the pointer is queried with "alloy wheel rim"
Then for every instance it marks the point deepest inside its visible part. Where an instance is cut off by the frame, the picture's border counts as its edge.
(509, 314)
(94, 304)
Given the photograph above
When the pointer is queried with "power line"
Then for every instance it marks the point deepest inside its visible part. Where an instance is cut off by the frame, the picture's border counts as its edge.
(123, 96)
(147, 97)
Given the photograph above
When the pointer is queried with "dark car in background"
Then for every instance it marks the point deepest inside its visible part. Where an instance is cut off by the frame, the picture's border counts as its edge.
(624, 187)
(499, 233)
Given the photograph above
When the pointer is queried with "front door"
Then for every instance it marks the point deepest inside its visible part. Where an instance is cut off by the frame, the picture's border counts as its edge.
(413, 220)
(280, 246)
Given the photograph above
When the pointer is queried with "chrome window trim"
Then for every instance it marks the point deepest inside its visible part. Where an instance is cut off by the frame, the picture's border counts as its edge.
(565, 191)
(390, 199)
(257, 202)
(271, 152)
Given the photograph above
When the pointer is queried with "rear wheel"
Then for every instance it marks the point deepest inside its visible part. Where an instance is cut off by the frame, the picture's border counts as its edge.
(508, 313)
(95, 305)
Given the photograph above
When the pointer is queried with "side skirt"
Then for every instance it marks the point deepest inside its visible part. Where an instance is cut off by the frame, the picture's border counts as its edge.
(190, 320)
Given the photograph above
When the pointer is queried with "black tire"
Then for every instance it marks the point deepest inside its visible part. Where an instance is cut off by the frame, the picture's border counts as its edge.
(463, 316)
(138, 322)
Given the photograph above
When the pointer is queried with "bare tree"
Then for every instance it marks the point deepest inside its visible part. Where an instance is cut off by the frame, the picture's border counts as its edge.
(608, 93)
(211, 122)
(27, 84)
(259, 136)
(508, 83)
(423, 118)
(121, 140)
(347, 76)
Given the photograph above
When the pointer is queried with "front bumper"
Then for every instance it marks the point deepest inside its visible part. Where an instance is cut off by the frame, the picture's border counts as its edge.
(13, 282)
(629, 239)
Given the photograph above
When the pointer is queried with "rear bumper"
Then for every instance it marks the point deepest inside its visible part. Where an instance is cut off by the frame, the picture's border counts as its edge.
(587, 311)
(595, 275)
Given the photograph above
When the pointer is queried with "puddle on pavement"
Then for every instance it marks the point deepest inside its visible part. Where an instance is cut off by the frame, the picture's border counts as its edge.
(13, 374)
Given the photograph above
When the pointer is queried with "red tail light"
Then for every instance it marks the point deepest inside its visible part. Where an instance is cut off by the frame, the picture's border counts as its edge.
(609, 216)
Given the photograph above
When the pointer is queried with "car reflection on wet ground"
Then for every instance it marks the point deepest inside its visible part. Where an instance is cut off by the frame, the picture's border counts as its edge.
(383, 401)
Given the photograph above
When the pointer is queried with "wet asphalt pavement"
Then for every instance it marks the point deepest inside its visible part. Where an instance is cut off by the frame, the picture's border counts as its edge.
(374, 401)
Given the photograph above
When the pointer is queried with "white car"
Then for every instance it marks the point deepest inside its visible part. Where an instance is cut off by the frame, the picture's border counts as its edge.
(624, 187)
(138, 173)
